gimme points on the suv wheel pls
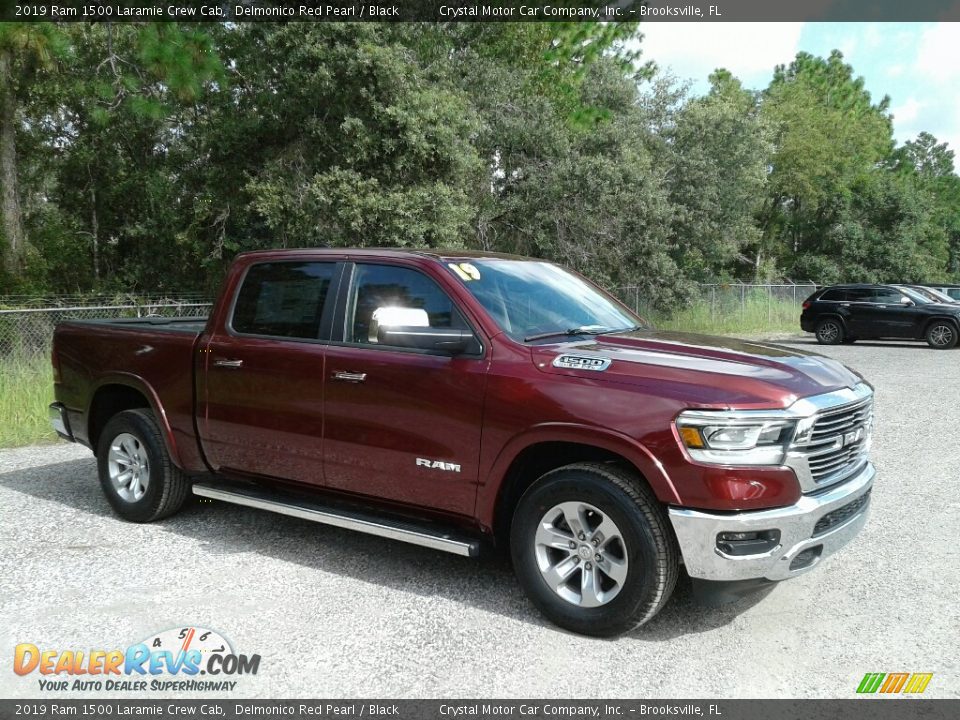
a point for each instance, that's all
(829, 332)
(140, 481)
(942, 335)
(593, 550)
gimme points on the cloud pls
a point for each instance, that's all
(938, 53)
(745, 49)
(908, 112)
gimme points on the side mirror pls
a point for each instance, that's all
(447, 340)
(906, 302)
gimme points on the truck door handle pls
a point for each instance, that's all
(353, 377)
(228, 363)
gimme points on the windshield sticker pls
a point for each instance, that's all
(470, 270)
(581, 362)
(460, 273)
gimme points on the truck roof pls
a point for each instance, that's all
(436, 253)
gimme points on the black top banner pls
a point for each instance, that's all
(477, 10)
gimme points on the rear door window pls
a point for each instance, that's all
(283, 299)
(834, 295)
(860, 295)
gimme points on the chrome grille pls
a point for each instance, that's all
(838, 443)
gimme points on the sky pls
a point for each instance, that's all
(916, 64)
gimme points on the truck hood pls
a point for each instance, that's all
(702, 369)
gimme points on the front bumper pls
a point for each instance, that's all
(697, 532)
(60, 421)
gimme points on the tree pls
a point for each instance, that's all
(25, 49)
(105, 122)
(829, 133)
(718, 150)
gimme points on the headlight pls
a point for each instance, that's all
(726, 438)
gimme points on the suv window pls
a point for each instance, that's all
(398, 296)
(860, 295)
(283, 299)
(887, 296)
(835, 295)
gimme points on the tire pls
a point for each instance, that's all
(941, 335)
(849, 340)
(158, 488)
(639, 549)
(829, 332)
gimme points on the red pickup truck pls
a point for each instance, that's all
(463, 400)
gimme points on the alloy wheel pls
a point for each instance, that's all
(581, 554)
(129, 467)
(829, 332)
(941, 335)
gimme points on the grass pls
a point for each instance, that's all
(756, 315)
(26, 388)
(26, 383)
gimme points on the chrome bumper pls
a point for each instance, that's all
(60, 421)
(697, 532)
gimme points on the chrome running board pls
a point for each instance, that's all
(308, 509)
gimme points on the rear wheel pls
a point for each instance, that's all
(829, 332)
(592, 548)
(140, 481)
(941, 335)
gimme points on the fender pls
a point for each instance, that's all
(834, 316)
(137, 383)
(623, 445)
(952, 319)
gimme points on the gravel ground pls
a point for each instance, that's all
(339, 614)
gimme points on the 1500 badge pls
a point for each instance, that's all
(581, 362)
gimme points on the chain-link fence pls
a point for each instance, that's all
(26, 324)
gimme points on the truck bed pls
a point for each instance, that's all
(152, 356)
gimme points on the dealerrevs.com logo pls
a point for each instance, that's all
(173, 660)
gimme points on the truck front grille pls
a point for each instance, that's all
(839, 516)
(838, 444)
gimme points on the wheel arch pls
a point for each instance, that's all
(831, 315)
(530, 456)
(120, 392)
(937, 318)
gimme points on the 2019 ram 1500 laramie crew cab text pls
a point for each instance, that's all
(456, 400)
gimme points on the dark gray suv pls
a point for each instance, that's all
(847, 313)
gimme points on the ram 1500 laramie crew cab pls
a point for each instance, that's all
(463, 400)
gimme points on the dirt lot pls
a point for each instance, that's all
(334, 613)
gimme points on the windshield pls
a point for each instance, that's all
(915, 295)
(529, 298)
(936, 295)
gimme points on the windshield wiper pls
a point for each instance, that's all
(584, 330)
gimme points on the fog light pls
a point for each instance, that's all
(737, 536)
(738, 544)
(806, 558)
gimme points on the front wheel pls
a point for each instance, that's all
(140, 481)
(593, 550)
(941, 335)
